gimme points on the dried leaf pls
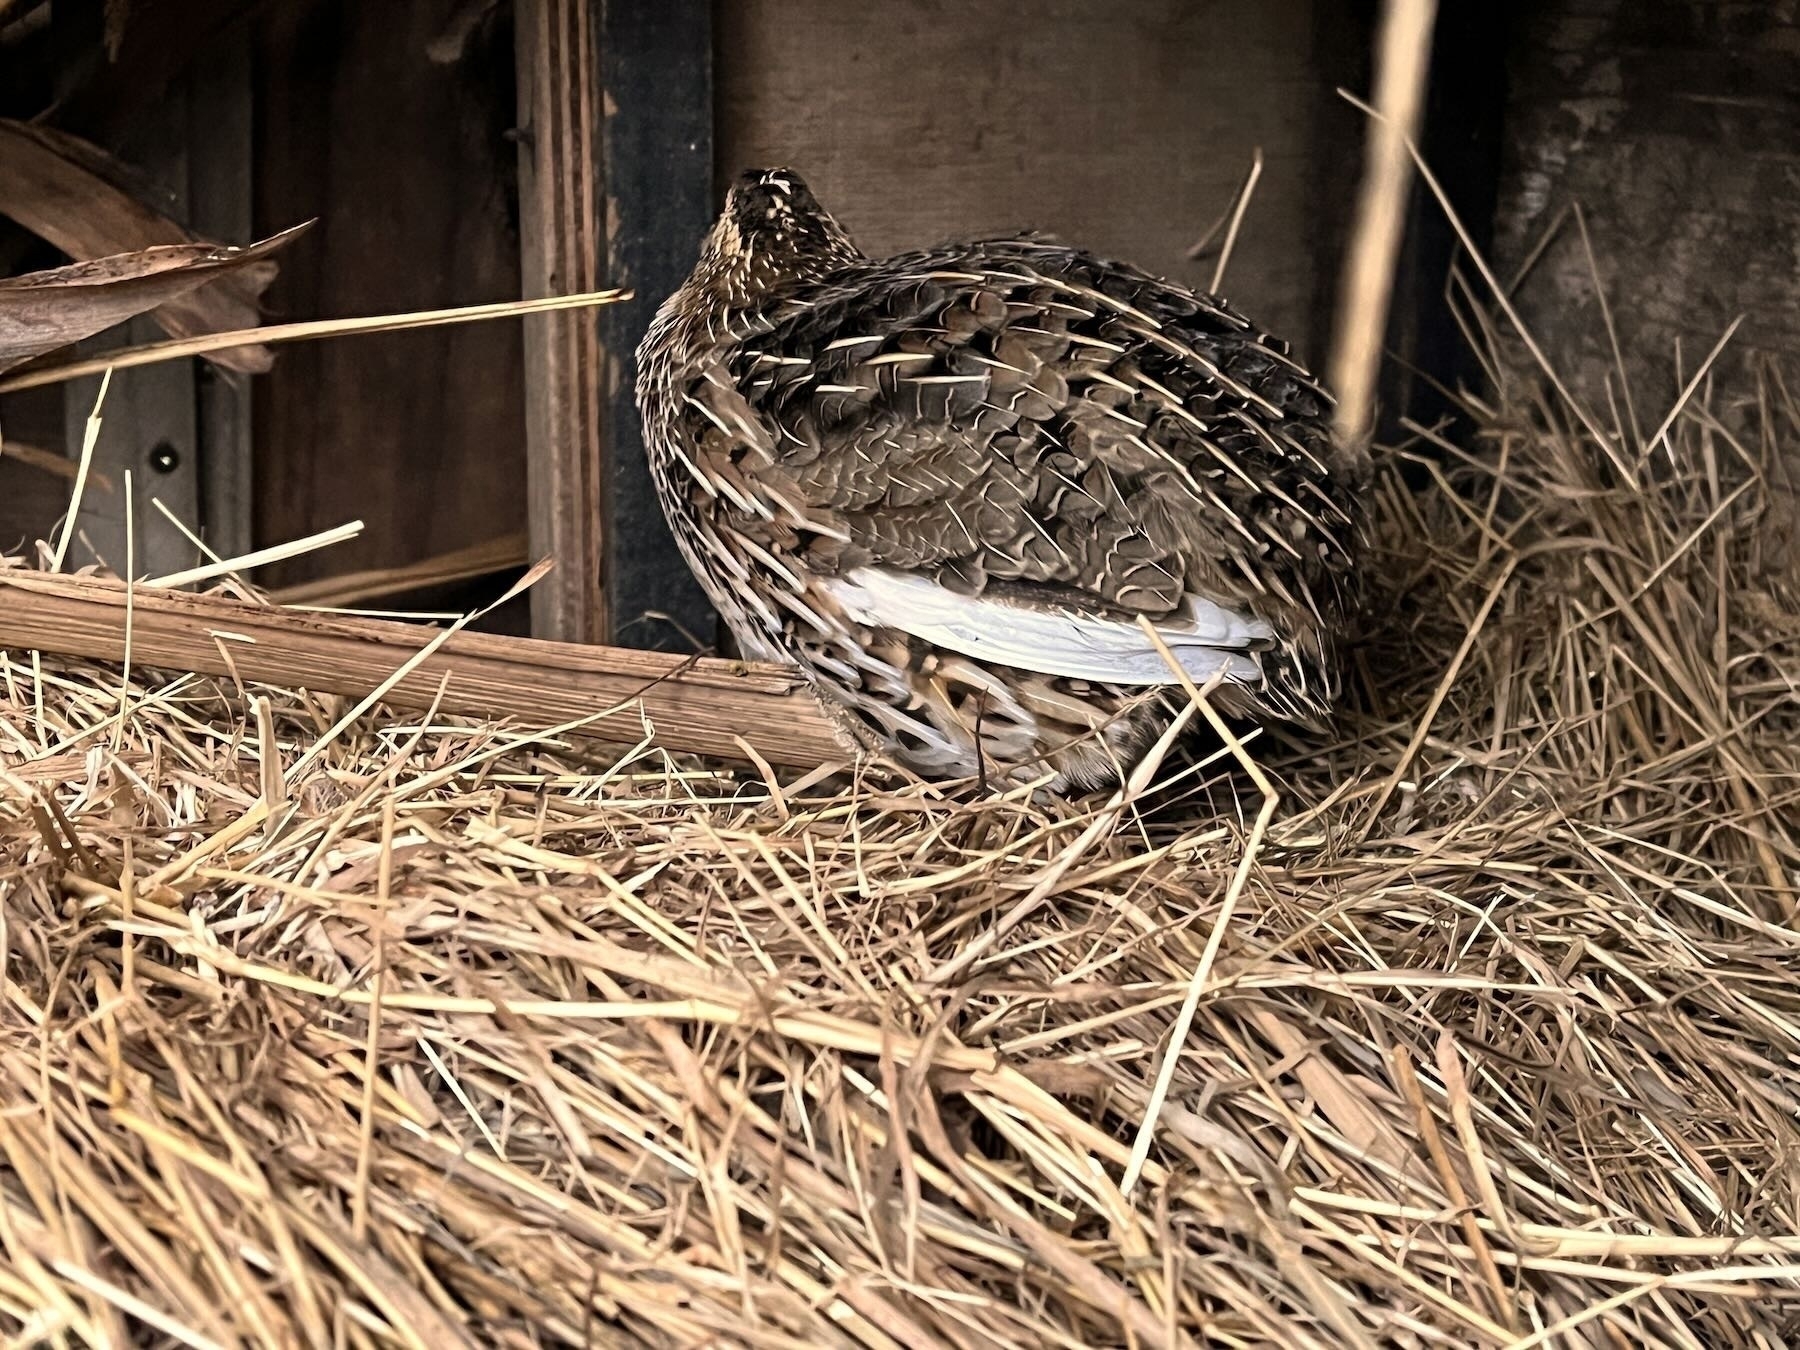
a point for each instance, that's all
(42, 311)
(74, 195)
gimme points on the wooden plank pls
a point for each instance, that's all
(129, 56)
(615, 188)
(562, 250)
(219, 100)
(182, 428)
(656, 71)
(697, 705)
(403, 160)
(149, 424)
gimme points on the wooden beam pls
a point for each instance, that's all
(615, 188)
(699, 706)
(656, 68)
(562, 249)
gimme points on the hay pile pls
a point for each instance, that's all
(463, 1036)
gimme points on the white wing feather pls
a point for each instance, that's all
(1205, 640)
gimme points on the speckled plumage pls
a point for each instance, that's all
(1053, 441)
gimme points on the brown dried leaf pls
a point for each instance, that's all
(42, 311)
(77, 197)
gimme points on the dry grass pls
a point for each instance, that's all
(453, 1034)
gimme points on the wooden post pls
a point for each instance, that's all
(615, 184)
(562, 250)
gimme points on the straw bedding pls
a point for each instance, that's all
(466, 1035)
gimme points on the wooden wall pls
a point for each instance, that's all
(390, 124)
(380, 122)
(1125, 127)
(1676, 124)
